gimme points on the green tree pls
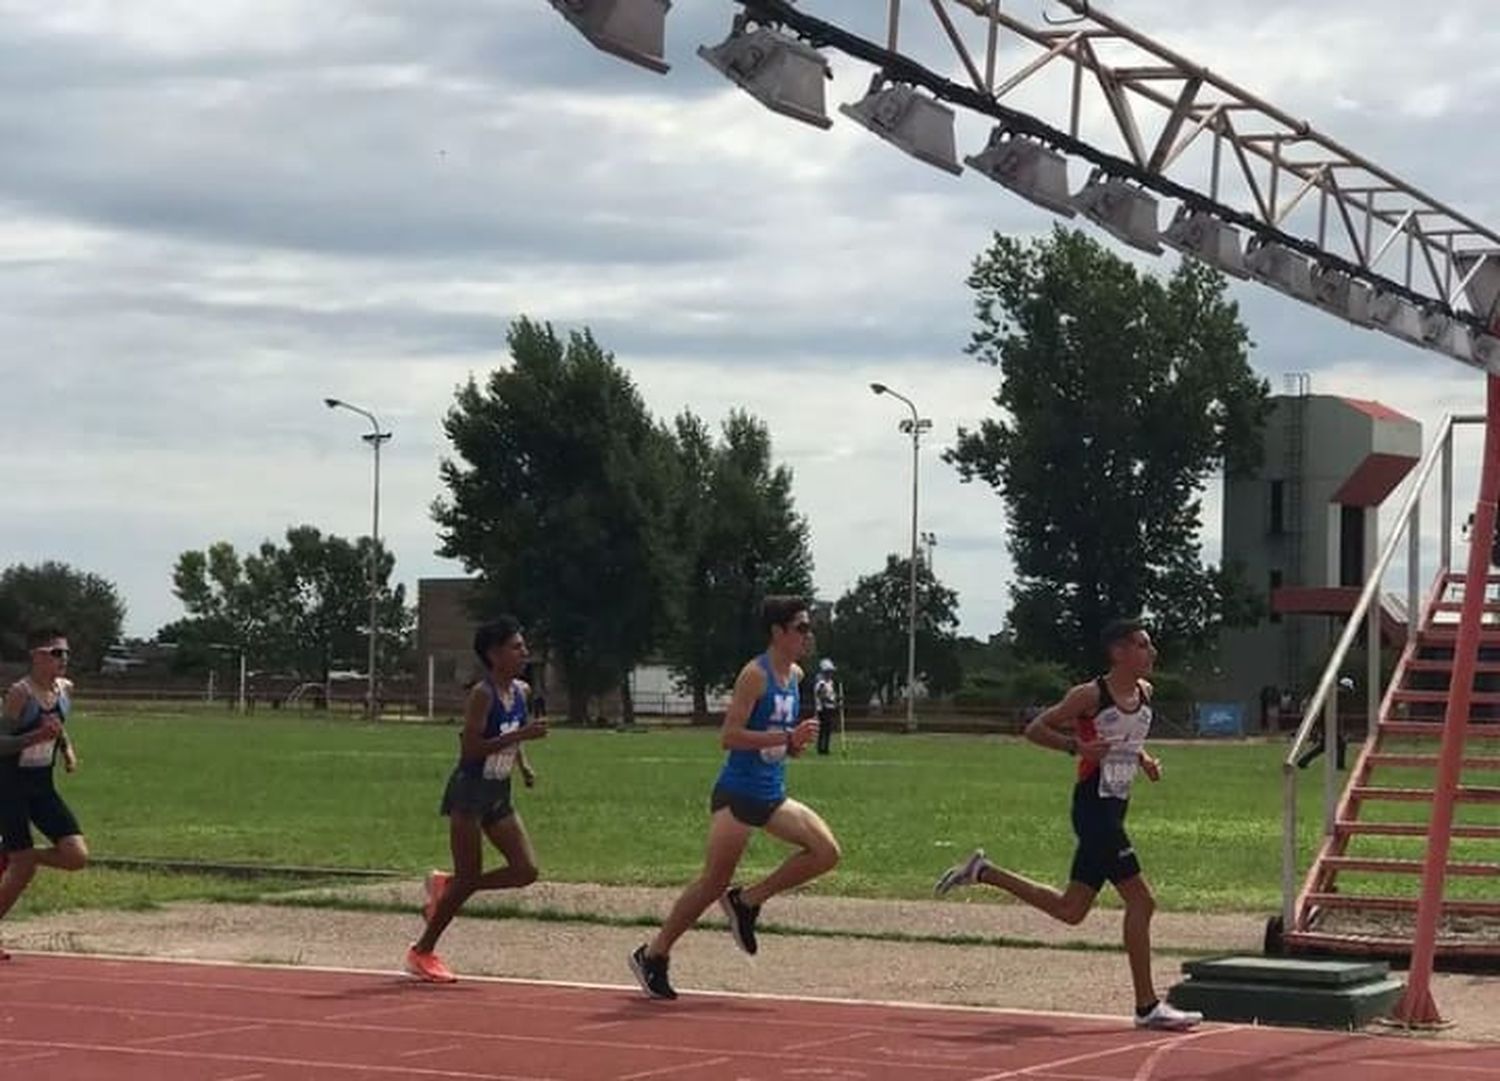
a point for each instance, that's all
(740, 538)
(302, 605)
(1120, 394)
(869, 631)
(560, 497)
(86, 606)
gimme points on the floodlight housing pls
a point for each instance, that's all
(911, 121)
(1344, 296)
(1202, 236)
(1122, 210)
(779, 71)
(1280, 267)
(1035, 172)
(634, 30)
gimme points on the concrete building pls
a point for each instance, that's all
(1304, 528)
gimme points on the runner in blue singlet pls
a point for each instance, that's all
(31, 738)
(762, 728)
(478, 796)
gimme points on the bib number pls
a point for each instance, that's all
(1117, 773)
(497, 766)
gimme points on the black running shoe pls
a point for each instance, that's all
(651, 974)
(741, 918)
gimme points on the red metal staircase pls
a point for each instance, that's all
(1361, 894)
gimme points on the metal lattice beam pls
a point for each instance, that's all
(1164, 122)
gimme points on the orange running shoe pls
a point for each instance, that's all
(436, 886)
(428, 967)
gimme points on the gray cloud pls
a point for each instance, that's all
(209, 221)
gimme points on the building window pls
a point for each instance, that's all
(1278, 508)
(1276, 580)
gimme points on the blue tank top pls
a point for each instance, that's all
(40, 756)
(498, 721)
(762, 774)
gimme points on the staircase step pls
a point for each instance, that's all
(1350, 828)
(1477, 698)
(1489, 668)
(1369, 903)
(1463, 794)
(1431, 761)
(1434, 728)
(1447, 635)
(1383, 945)
(1406, 867)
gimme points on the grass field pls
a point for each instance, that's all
(630, 808)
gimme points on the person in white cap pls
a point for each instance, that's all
(826, 697)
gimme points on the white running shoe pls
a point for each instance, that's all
(1167, 1018)
(961, 874)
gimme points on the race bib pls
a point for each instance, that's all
(1117, 773)
(497, 766)
(1123, 760)
(38, 755)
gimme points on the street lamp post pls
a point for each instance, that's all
(375, 437)
(915, 427)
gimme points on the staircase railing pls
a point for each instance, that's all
(1324, 700)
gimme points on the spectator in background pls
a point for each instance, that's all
(826, 702)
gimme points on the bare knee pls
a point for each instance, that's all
(827, 854)
(526, 874)
(1073, 913)
(1141, 906)
(73, 854)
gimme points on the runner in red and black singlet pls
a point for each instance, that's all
(1105, 723)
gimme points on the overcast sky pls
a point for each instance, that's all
(212, 215)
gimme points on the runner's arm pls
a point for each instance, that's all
(1054, 727)
(734, 736)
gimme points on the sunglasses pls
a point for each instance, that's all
(57, 652)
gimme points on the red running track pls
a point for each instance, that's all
(91, 1019)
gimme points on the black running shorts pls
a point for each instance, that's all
(746, 809)
(29, 800)
(1104, 852)
(485, 798)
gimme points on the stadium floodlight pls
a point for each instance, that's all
(1035, 172)
(1339, 293)
(911, 121)
(1280, 267)
(782, 73)
(1485, 349)
(1122, 210)
(634, 30)
(1396, 316)
(1199, 234)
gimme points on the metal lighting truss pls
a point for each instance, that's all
(1380, 251)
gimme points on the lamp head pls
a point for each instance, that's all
(879, 388)
(332, 403)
